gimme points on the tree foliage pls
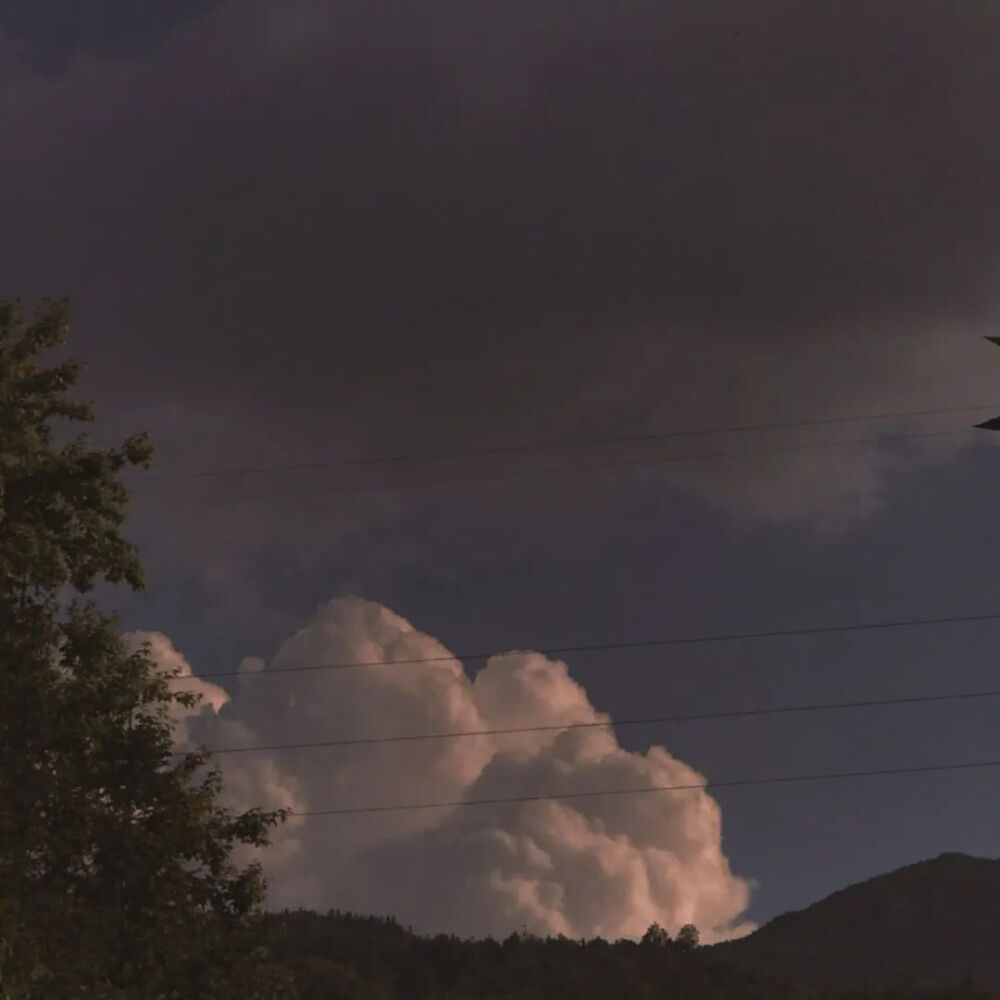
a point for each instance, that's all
(117, 877)
(344, 957)
(688, 937)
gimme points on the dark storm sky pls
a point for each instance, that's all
(303, 232)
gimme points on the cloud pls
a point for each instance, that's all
(605, 866)
(53, 33)
(517, 221)
(264, 784)
(211, 697)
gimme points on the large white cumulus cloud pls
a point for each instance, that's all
(603, 865)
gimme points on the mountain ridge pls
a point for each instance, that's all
(931, 924)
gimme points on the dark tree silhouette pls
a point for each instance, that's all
(116, 878)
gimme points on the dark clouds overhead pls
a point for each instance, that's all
(307, 230)
(380, 181)
(53, 32)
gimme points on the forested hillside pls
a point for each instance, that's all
(934, 923)
(345, 957)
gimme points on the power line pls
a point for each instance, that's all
(555, 469)
(694, 786)
(561, 444)
(695, 640)
(612, 723)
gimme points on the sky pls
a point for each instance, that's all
(301, 236)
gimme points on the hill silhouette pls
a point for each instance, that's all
(338, 956)
(929, 930)
(934, 924)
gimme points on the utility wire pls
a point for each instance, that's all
(553, 469)
(612, 723)
(561, 444)
(694, 786)
(694, 640)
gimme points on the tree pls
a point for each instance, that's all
(688, 938)
(116, 870)
(656, 937)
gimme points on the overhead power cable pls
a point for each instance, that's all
(694, 640)
(741, 713)
(542, 470)
(694, 786)
(556, 445)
